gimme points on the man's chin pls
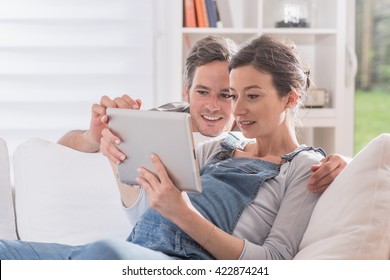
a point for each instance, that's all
(210, 132)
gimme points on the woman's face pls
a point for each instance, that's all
(258, 109)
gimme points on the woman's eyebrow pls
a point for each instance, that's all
(252, 87)
(248, 87)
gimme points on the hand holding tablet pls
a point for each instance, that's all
(167, 134)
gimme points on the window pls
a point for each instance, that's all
(58, 57)
(372, 100)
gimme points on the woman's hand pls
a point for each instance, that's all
(175, 205)
(164, 196)
(109, 146)
(108, 140)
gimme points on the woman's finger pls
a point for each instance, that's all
(108, 146)
(160, 169)
(148, 176)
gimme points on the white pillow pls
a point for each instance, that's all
(7, 217)
(352, 218)
(65, 196)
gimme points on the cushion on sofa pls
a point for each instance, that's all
(7, 217)
(352, 218)
(65, 196)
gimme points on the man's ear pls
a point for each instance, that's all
(186, 93)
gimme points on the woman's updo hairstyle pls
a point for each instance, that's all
(278, 58)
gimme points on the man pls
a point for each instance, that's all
(206, 90)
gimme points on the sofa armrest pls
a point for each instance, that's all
(65, 196)
(352, 218)
(7, 216)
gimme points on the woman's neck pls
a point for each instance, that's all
(272, 147)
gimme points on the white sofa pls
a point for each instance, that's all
(62, 195)
(65, 196)
(7, 217)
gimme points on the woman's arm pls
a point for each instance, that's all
(129, 193)
(293, 209)
(166, 199)
(133, 197)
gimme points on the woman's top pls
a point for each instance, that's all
(273, 224)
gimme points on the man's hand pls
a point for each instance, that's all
(89, 140)
(325, 172)
(99, 118)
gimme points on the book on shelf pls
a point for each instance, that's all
(205, 13)
(211, 13)
(201, 13)
(218, 21)
(224, 12)
(189, 13)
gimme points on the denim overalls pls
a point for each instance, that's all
(229, 185)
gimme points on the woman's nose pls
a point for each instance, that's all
(238, 108)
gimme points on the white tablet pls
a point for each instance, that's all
(167, 134)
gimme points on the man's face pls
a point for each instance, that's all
(209, 99)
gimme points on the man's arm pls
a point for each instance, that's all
(80, 140)
(89, 140)
(326, 171)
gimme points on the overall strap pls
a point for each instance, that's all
(289, 157)
(228, 145)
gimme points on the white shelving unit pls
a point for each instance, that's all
(323, 46)
(58, 57)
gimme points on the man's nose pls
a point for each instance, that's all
(214, 103)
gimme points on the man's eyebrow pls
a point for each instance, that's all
(201, 87)
(208, 88)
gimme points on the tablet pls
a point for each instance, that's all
(167, 134)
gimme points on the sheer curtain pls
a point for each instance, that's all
(58, 57)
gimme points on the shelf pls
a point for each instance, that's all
(318, 117)
(318, 112)
(300, 31)
(186, 30)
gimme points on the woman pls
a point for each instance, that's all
(254, 204)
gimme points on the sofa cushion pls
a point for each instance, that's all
(352, 218)
(7, 217)
(65, 196)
